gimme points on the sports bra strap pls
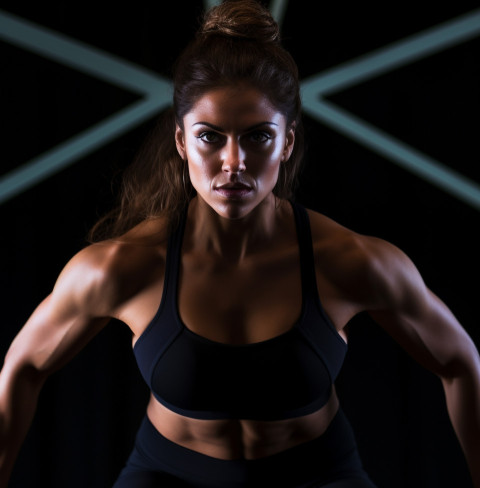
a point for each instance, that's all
(155, 340)
(307, 262)
(174, 255)
(330, 347)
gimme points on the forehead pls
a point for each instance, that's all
(234, 106)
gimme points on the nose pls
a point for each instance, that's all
(233, 158)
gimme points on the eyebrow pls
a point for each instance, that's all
(219, 129)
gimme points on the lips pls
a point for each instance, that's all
(234, 186)
(234, 190)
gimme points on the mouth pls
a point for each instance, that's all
(234, 190)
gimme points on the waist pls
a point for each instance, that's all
(331, 456)
(230, 439)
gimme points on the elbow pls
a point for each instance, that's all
(464, 364)
(20, 386)
(18, 369)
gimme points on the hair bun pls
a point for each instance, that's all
(246, 19)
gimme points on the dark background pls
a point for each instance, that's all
(88, 412)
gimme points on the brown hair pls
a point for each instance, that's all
(238, 41)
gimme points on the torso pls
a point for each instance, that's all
(264, 296)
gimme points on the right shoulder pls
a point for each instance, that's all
(104, 275)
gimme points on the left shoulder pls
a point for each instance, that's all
(372, 275)
(393, 279)
(370, 271)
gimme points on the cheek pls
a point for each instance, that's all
(272, 174)
(269, 166)
(273, 159)
(201, 170)
(197, 159)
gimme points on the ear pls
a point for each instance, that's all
(180, 142)
(289, 143)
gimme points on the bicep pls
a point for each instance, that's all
(63, 323)
(52, 336)
(412, 314)
(429, 332)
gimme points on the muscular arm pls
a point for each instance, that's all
(57, 330)
(423, 325)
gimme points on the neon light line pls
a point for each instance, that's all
(156, 90)
(81, 57)
(395, 55)
(158, 95)
(63, 155)
(208, 4)
(277, 9)
(400, 53)
(408, 158)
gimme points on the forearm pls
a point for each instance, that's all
(18, 399)
(463, 403)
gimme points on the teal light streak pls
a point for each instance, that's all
(395, 55)
(157, 95)
(398, 152)
(379, 62)
(211, 3)
(277, 8)
(66, 153)
(156, 92)
(74, 54)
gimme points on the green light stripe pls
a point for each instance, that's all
(79, 146)
(383, 60)
(157, 90)
(278, 9)
(395, 55)
(211, 3)
(79, 56)
(393, 149)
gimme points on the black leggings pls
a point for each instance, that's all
(330, 461)
(162, 480)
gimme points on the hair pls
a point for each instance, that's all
(238, 42)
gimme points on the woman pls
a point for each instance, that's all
(219, 276)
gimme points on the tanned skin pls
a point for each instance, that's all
(245, 247)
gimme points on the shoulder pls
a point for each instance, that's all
(106, 274)
(366, 269)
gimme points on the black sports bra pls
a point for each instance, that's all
(287, 376)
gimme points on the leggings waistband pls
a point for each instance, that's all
(331, 455)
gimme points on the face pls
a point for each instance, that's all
(234, 140)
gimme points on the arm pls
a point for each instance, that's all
(423, 325)
(57, 330)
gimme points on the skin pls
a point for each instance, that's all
(244, 245)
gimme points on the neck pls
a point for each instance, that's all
(232, 240)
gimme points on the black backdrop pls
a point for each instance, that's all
(88, 412)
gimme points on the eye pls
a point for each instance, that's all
(259, 136)
(210, 137)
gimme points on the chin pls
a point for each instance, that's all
(234, 210)
(233, 213)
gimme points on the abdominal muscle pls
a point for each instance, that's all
(240, 439)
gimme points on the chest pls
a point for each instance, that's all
(235, 305)
(240, 304)
(266, 368)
